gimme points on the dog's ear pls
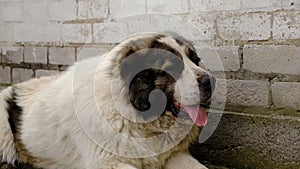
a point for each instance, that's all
(131, 63)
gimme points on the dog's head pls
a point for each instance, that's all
(153, 64)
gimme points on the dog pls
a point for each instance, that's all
(137, 106)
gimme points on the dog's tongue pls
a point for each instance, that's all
(197, 114)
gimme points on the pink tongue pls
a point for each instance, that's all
(197, 114)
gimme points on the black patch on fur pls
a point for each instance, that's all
(193, 56)
(180, 42)
(14, 112)
(158, 45)
(15, 120)
(145, 82)
(146, 70)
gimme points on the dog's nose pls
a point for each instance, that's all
(206, 85)
(208, 82)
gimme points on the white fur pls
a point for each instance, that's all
(68, 119)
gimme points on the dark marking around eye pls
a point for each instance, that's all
(193, 56)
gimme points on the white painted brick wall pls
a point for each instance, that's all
(6, 32)
(121, 8)
(110, 32)
(93, 9)
(258, 5)
(62, 10)
(249, 26)
(286, 25)
(204, 22)
(35, 55)
(11, 11)
(168, 6)
(4, 75)
(21, 75)
(272, 59)
(215, 5)
(286, 94)
(12, 54)
(290, 4)
(77, 33)
(35, 11)
(88, 52)
(50, 32)
(62, 56)
(248, 92)
(41, 73)
(242, 92)
(115, 31)
(225, 58)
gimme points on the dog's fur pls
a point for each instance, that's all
(56, 122)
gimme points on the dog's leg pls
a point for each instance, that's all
(183, 160)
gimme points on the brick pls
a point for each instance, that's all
(77, 33)
(6, 33)
(21, 75)
(163, 23)
(248, 26)
(88, 52)
(11, 11)
(62, 10)
(35, 11)
(61, 56)
(12, 55)
(50, 32)
(168, 6)
(204, 22)
(215, 5)
(219, 94)
(41, 73)
(121, 8)
(286, 25)
(290, 4)
(225, 58)
(272, 59)
(116, 31)
(243, 92)
(112, 32)
(92, 9)
(248, 92)
(286, 94)
(266, 5)
(35, 55)
(5, 75)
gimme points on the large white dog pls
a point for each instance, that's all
(137, 106)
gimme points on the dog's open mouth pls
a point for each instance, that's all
(196, 113)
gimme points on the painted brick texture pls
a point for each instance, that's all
(286, 94)
(272, 59)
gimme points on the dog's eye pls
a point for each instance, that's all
(193, 56)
